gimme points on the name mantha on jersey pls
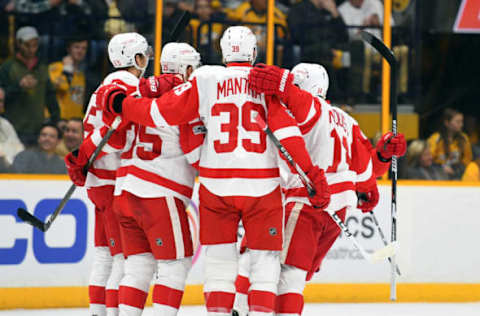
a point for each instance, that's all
(236, 159)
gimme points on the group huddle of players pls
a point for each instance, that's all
(202, 120)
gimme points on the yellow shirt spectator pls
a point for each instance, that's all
(458, 153)
(472, 173)
(70, 95)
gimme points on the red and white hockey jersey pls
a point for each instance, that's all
(103, 171)
(236, 158)
(333, 141)
(156, 165)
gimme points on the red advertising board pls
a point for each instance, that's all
(468, 17)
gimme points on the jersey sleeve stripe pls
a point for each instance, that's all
(103, 174)
(287, 132)
(157, 117)
(226, 173)
(364, 176)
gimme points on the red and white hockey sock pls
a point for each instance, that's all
(134, 286)
(264, 276)
(221, 269)
(111, 302)
(169, 285)
(113, 282)
(131, 301)
(97, 300)
(289, 304)
(261, 302)
(242, 284)
(219, 303)
(290, 291)
(166, 300)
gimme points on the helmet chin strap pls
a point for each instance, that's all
(142, 70)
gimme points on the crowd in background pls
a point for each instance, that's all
(53, 55)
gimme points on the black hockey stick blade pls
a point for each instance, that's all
(180, 26)
(30, 219)
(379, 46)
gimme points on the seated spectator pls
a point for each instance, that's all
(69, 80)
(317, 27)
(10, 145)
(255, 11)
(28, 88)
(72, 137)
(420, 163)
(42, 159)
(365, 13)
(472, 172)
(208, 48)
(450, 146)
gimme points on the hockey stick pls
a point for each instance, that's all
(392, 61)
(380, 254)
(44, 226)
(380, 231)
(180, 26)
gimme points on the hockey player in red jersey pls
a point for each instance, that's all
(129, 54)
(153, 187)
(334, 143)
(238, 171)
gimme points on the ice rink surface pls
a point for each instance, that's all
(381, 309)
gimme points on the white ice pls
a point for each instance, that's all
(381, 309)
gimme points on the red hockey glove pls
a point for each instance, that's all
(154, 87)
(270, 80)
(368, 196)
(390, 145)
(76, 162)
(322, 198)
(109, 97)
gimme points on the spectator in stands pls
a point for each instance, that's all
(365, 13)
(207, 47)
(10, 145)
(450, 146)
(42, 159)
(72, 137)
(28, 88)
(255, 11)
(420, 163)
(69, 80)
(317, 27)
(472, 172)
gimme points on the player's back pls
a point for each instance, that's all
(104, 168)
(236, 157)
(155, 165)
(331, 144)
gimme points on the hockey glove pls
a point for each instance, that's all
(390, 145)
(155, 86)
(368, 195)
(76, 162)
(109, 97)
(270, 80)
(322, 197)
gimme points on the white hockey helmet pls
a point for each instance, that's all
(312, 78)
(238, 43)
(176, 57)
(123, 48)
